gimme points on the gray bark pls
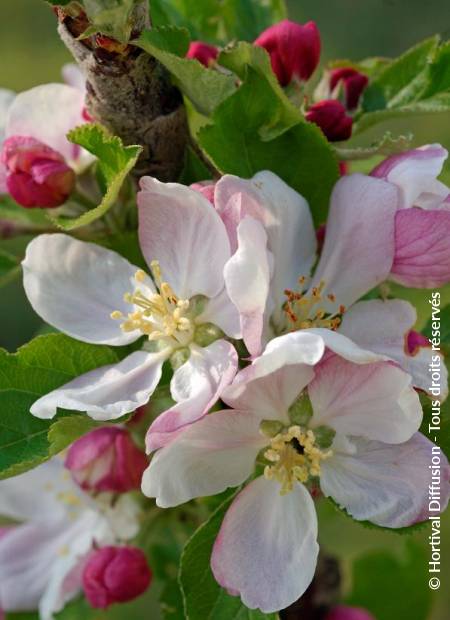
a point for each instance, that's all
(131, 94)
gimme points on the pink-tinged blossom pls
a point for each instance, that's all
(106, 459)
(343, 612)
(353, 82)
(184, 311)
(346, 419)
(332, 118)
(115, 575)
(36, 175)
(42, 559)
(203, 52)
(422, 225)
(354, 259)
(294, 49)
(386, 327)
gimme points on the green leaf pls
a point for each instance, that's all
(115, 161)
(236, 143)
(204, 599)
(9, 267)
(219, 22)
(206, 88)
(388, 145)
(112, 17)
(243, 55)
(378, 578)
(418, 82)
(39, 367)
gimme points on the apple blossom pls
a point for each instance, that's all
(106, 459)
(115, 575)
(38, 163)
(346, 420)
(203, 52)
(41, 560)
(294, 49)
(422, 224)
(331, 116)
(97, 296)
(275, 244)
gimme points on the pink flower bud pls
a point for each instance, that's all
(332, 119)
(203, 52)
(106, 459)
(115, 575)
(36, 175)
(342, 612)
(415, 341)
(294, 49)
(353, 83)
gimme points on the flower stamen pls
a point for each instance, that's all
(295, 456)
(159, 316)
(303, 309)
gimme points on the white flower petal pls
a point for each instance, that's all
(382, 327)
(385, 484)
(75, 286)
(208, 457)
(108, 392)
(375, 401)
(266, 549)
(181, 229)
(344, 347)
(247, 279)
(42, 486)
(195, 387)
(415, 173)
(359, 242)
(274, 380)
(47, 113)
(286, 217)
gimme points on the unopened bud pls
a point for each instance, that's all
(203, 52)
(342, 612)
(115, 575)
(294, 49)
(353, 83)
(330, 115)
(415, 341)
(36, 175)
(106, 459)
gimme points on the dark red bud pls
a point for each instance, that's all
(342, 612)
(353, 83)
(294, 49)
(203, 52)
(415, 341)
(330, 115)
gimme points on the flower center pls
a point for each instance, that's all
(294, 456)
(303, 309)
(159, 316)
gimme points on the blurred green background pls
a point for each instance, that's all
(31, 53)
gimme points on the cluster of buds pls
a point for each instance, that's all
(294, 51)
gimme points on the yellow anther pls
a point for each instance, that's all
(140, 275)
(303, 309)
(294, 456)
(160, 315)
